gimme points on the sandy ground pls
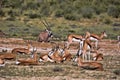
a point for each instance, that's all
(44, 71)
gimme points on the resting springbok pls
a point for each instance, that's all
(97, 56)
(29, 61)
(95, 37)
(2, 62)
(89, 65)
(8, 56)
(22, 50)
(74, 38)
(52, 56)
(45, 58)
(66, 53)
(55, 55)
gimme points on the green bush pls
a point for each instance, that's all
(59, 13)
(107, 21)
(34, 15)
(113, 11)
(2, 13)
(11, 18)
(71, 17)
(32, 5)
(87, 12)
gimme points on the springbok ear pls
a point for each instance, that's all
(104, 31)
(57, 46)
(65, 45)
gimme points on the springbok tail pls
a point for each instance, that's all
(2, 65)
(17, 62)
(40, 60)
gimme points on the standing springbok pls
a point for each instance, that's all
(86, 48)
(45, 35)
(89, 65)
(118, 38)
(96, 38)
(74, 38)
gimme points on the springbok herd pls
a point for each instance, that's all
(87, 56)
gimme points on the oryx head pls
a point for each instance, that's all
(49, 32)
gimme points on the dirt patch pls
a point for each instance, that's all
(62, 71)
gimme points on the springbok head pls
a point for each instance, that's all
(104, 34)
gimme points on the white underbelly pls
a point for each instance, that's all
(93, 39)
(76, 40)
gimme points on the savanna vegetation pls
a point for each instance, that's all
(22, 18)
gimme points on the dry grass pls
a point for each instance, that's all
(68, 69)
(65, 71)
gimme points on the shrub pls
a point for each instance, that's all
(2, 13)
(87, 12)
(71, 16)
(107, 21)
(14, 34)
(10, 18)
(59, 13)
(33, 15)
(34, 34)
(45, 10)
(113, 11)
(32, 5)
(13, 12)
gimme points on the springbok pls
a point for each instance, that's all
(74, 38)
(95, 37)
(85, 49)
(45, 58)
(8, 56)
(97, 56)
(29, 61)
(52, 56)
(45, 35)
(118, 38)
(55, 55)
(66, 54)
(22, 50)
(89, 65)
(2, 62)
